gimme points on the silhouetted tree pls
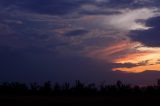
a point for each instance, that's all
(79, 89)
(46, 89)
(34, 88)
(158, 82)
(57, 89)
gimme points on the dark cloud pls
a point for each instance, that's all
(54, 7)
(125, 65)
(29, 41)
(63, 7)
(151, 36)
(129, 3)
(37, 64)
(78, 32)
(99, 12)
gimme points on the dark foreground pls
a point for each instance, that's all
(78, 95)
(79, 101)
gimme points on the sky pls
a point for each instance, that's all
(88, 40)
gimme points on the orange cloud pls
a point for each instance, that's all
(110, 51)
(133, 57)
(143, 54)
(139, 69)
(143, 58)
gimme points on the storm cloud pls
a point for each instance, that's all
(151, 36)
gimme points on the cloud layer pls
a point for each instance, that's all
(39, 37)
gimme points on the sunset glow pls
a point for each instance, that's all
(139, 69)
(145, 58)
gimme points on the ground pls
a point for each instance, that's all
(78, 101)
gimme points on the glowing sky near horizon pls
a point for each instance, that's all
(126, 51)
(145, 58)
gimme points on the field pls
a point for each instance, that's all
(78, 101)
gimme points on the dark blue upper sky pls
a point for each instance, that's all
(66, 40)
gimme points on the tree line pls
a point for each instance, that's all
(78, 89)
